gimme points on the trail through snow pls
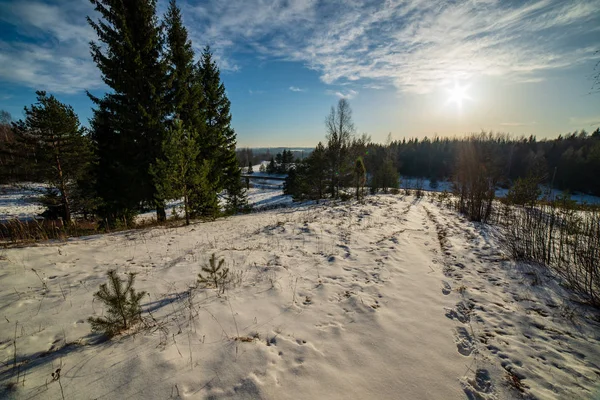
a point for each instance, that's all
(348, 301)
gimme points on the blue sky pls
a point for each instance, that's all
(409, 68)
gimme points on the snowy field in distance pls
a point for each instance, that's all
(19, 202)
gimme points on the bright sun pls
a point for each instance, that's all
(458, 94)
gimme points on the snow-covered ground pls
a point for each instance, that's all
(261, 197)
(425, 184)
(256, 171)
(391, 299)
(19, 202)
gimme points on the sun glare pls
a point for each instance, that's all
(458, 94)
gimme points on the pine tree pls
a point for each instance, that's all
(52, 144)
(123, 305)
(237, 199)
(308, 178)
(203, 196)
(9, 170)
(216, 275)
(271, 168)
(178, 173)
(250, 170)
(129, 121)
(318, 173)
(185, 94)
(219, 140)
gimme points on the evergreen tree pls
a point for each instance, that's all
(53, 145)
(216, 275)
(237, 199)
(287, 160)
(385, 177)
(186, 97)
(308, 178)
(296, 183)
(271, 168)
(219, 140)
(9, 170)
(203, 196)
(525, 191)
(129, 121)
(250, 170)
(178, 173)
(185, 94)
(123, 307)
(318, 173)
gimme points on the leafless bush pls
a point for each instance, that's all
(476, 177)
(565, 239)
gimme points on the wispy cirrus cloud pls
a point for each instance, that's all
(52, 49)
(343, 94)
(414, 46)
(297, 89)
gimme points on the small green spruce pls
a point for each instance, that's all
(216, 275)
(123, 305)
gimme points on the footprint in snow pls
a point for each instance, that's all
(460, 313)
(447, 289)
(464, 341)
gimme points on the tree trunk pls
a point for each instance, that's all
(161, 214)
(63, 192)
(186, 208)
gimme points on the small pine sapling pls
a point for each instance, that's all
(216, 275)
(123, 305)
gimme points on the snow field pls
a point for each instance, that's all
(393, 298)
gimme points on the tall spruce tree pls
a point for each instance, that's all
(219, 140)
(186, 97)
(185, 94)
(129, 122)
(52, 145)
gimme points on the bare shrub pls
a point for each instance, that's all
(563, 238)
(476, 177)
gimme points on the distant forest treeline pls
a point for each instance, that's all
(255, 156)
(570, 162)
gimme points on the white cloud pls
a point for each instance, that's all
(55, 56)
(297, 89)
(414, 46)
(345, 94)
